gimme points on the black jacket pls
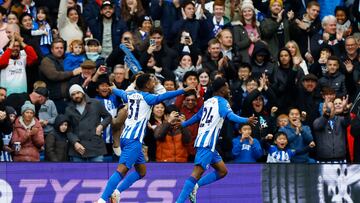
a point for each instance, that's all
(165, 58)
(330, 143)
(336, 81)
(267, 66)
(83, 127)
(303, 37)
(284, 86)
(56, 147)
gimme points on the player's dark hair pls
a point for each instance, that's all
(217, 84)
(142, 80)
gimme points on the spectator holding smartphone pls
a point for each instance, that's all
(117, 55)
(171, 139)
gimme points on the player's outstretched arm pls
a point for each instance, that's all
(195, 118)
(120, 93)
(155, 99)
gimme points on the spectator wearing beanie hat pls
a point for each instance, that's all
(275, 29)
(141, 35)
(27, 131)
(249, 23)
(86, 143)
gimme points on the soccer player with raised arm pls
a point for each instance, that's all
(140, 103)
(211, 117)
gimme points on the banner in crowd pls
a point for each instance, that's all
(79, 182)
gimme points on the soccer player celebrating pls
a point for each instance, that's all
(140, 103)
(211, 117)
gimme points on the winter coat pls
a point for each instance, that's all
(317, 43)
(330, 142)
(170, 144)
(298, 141)
(83, 127)
(56, 147)
(31, 140)
(308, 102)
(303, 37)
(267, 67)
(284, 86)
(53, 74)
(167, 13)
(165, 58)
(190, 25)
(242, 40)
(269, 28)
(336, 82)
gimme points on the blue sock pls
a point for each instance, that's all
(187, 189)
(209, 178)
(111, 185)
(128, 181)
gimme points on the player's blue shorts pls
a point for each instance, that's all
(204, 157)
(131, 153)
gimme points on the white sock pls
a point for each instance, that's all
(101, 201)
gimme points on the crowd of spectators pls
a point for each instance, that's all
(294, 64)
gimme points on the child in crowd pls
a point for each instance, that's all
(56, 145)
(279, 153)
(282, 120)
(328, 94)
(93, 51)
(47, 112)
(75, 57)
(12, 18)
(42, 27)
(319, 67)
(245, 147)
(170, 85)
(238, 88)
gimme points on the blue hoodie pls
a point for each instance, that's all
(298, 142)
(243, 152)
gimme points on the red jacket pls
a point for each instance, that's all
(31, 141)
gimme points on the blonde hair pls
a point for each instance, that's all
(298, 53)
(38, 84)
(76, 42)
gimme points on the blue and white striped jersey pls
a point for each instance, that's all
(139, 110)
(211, 117)
(279, 155)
